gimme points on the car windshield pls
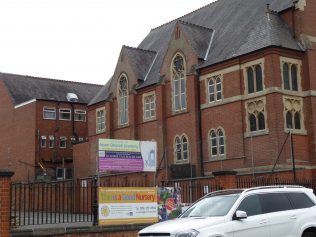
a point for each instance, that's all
(211, 206)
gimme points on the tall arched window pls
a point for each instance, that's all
(290, 76)
(255, 78)
(256, 115)
(293, 113)
(123, 100)
(215, 88)
(286, 76)
(181, 148)
(179, 83)
(217, 143)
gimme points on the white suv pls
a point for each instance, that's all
(274, 211)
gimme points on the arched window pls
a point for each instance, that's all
(123, 100)
(251, 84)
(293, 113)
(256, 115)
(179, 83)
(290, 76)
(294, 77)
(255, 78)
(215, 88)
(259, 78)
(261, 121)
(217, 143)
(286, 76)
(181, 148)
(253, 122)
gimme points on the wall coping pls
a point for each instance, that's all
(76, 230)
(6, 173)
(224, 172)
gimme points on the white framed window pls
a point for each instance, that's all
(72, 139)
(293, 114)
(256, 115)
(181, 149)
(49, 113)
(64, 114)
(123, 100)
(215, 89)
(149, 101)
(178, 73)
(217, 143)
(63, 142)
(100, 120)
(80, 115)
(43, 141)
(60, 173)
(51, 142)
(80, 139)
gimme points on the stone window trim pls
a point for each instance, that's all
(218, 143)
(183, 137)
(217, 93)
(51, 141)
(65, 112)
(80, 115)
(151, 110)
(122, 100)
(256, 107)
(294, 105)
(47, 111)
(179, 98)
(100, 120)
(43, 141)
(253, 64)
(63, 142)
(290, 62)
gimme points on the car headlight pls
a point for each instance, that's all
(187, 233)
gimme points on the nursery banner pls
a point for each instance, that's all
(127, 155)
(119, 206)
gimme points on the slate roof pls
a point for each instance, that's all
(103, 94)
(25, 88)
(230, 27)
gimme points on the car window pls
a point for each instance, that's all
(300, 200)
(211, 206)
(274, 202)
(251, 205)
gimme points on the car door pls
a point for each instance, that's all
(279, 210)
(256, 222)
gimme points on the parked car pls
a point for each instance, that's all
(273, 211)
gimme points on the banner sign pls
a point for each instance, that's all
(119, 206)
(127, 155)
(169, 203)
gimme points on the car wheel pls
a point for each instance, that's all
(309, 234)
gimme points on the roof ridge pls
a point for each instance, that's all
(185, 15)
(195, 25)
(51, 79)
(134, 48)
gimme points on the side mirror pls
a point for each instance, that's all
(240, 215)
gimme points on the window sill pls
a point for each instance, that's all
(256, 133)
(49, 118)
(179, 162)
(149, 120)
(223, 158)
(296, 131)
(175, 113)
(101, 131)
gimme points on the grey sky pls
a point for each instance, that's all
(78, 40)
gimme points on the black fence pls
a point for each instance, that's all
(39, 203)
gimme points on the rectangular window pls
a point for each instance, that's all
(43, 141)
(63, 142)
(59, 173)
(80, 139)
(49, 113)
(100, 120)
(150, 107)
(64, 114)
(51, 141)
(80, 115)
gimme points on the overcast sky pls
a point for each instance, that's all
(78, 40)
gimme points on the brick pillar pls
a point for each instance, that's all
(226, 179)
(5, 187)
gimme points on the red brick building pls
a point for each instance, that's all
(220, 88)
(41, 120)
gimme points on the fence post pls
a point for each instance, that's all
(95, 201)
(226, 179)
(5, 192)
